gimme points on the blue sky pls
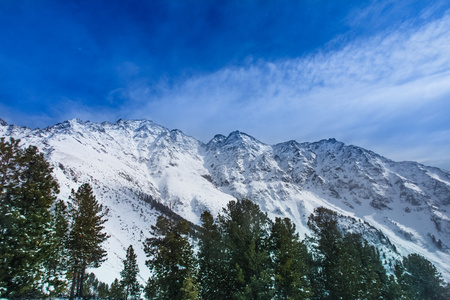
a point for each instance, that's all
(370, 73)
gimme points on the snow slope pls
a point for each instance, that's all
(402, 207)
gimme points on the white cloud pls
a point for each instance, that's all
(358, 93)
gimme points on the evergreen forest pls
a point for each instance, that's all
(48, 247)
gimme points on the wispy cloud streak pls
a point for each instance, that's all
(389, 89)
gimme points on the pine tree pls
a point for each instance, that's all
(446, 291)
(291, 262)
(213, 268)
(323, 223)
(116, 291)
(129, 275)
(171, 259)
(246, 230)
(394, 290)
(56, 262)
(103, 290)
(190, 289)
(90, 286)
(362, 274)
(419, 278)
(346, 267)
(375, 281)
(86, 236)
(150, 289)
(348, 276)
(27, 193)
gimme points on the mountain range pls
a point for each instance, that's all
(137, 167)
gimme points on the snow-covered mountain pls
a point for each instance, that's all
(401, 207)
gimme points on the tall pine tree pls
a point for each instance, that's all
(291, 262)
(213, 269)
(323, 222)
(86, 236)
(116, 291)
(171, 260)
(27, 193)
(56, 262)
(346, 267)
(419, 278)
(246, 231)
(129, 275)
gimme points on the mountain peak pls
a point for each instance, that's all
(138, 123)
(241, 137)
(236, 138)
(330, 141)
(219, 137)
(289, 144)
(236, 132)
(77, 121)
(215, 141)
(136, 127)
(3, 122)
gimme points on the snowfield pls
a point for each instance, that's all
(401, 207)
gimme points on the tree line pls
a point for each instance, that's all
(47, 248)
(242, 254)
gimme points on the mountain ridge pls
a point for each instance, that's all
(408, 202)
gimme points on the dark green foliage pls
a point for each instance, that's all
(116, 291)
(419, 278)
(90, 287)
(93, 288)
(165, 210)
(213, 270)
(190, 289)
(446, 291)
(86, 235)
(393, 290)
(362, 273)
(323, 223)
(245, 230)
(56, 262)
(27, 193)
(291, 262)
(250, 258)
(171, 259)
(129, 275)
(150, 289)
(103, 290)
(346, 267)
